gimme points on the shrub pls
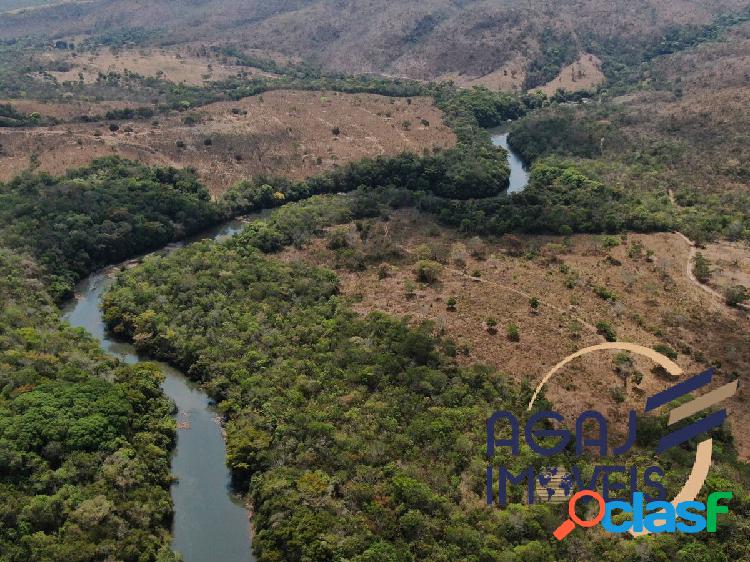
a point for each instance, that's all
(701, 268)
(423, 252)
(534, 303)
(427, 271)
(477, 248)
(410, 290)
(736, 295)
(458, 255)
(623, 358)
(337, 240)
(514, 334)
(605, 329)
(451, 304)
(605, 293)
(635, 251)
(666, 350)
(611, 260)
(491, 324)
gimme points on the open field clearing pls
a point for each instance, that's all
(731, 264)
(509, 77)
(638, 287)
(583, 74)
(189, 66)
(289, 133)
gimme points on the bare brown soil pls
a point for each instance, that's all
(288, 133)
(655, 303)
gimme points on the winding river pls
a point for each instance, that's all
(210, 524)
(519, 175)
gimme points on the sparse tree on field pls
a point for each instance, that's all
(427, 271)
(701, 268)
(624, 367)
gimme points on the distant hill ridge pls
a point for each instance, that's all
(423, 39)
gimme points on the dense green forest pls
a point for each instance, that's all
(84, 440)
(646, 167)
(357, 438)
(560, 198)
(318, 409)
(100, 214)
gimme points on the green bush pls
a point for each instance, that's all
(605, 293)
(513, 333)
(605, 329)
(666, 351)
(427, 271)
(701, 268)
(736, 295)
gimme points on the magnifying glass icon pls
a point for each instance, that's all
(569, 524)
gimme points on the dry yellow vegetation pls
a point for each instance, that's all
(583, 74)
(293, 134)
(654, 303)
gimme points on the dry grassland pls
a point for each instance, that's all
(286, 133)
(654, 304)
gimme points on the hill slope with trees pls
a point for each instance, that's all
(413, 38)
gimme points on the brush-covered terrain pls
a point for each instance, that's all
(413, 38)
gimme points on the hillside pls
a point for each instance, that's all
(417, 39)
(681, 134)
